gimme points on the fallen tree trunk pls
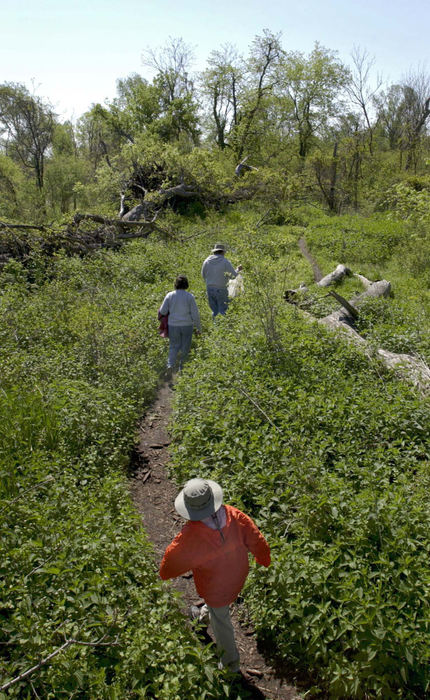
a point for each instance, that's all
(407, 367)
(35, 227)
(349, 313)
(17, 241)
(339, 273)
(143, 226)
(183, 191)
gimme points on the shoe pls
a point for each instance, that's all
(194, 612)
(200, 615)
(168, 374)
(204, 615)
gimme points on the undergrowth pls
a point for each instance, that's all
(326, 449)
(80, 360)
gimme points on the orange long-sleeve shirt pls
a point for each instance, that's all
(219, 563)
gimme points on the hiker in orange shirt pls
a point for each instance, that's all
(214, 545)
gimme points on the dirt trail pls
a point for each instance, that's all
(153, 494)
(318, 275)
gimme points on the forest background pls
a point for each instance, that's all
(330, 455)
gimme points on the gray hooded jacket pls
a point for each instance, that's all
(217, 270)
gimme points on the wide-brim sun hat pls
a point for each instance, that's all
(218, 247)
(199, 499)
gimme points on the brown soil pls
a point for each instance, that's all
(153, 494)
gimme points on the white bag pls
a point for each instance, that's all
(235, 286)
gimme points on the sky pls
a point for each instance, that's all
(71, 53)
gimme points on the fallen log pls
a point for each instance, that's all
(406, 366)
(21, 226)
(116, 223)
(339, 273)
(183, 191)
(349, 313)
(18, 240)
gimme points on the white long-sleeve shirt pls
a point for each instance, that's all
(217, 270)
(182, 309)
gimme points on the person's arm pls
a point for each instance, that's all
(195, 314)
(177, 559)
(204, 270)
(230, 271)
(255, 541)
(164, 308)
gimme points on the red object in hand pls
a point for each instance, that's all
(163, 328)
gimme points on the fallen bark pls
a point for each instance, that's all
(352, 311)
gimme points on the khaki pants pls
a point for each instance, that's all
(224, 635)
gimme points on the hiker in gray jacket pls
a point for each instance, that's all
(183, 317)
(216, 272)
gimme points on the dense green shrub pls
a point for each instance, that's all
(80, 360)
(330, 455)
(327, 450)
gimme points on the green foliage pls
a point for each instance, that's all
(410, 200)
(320, 444)
(308, 90)
(80, 360)
(329, 453)
(10, 182)
(329, 481)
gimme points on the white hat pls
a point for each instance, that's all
(218, 247)
(198, 499)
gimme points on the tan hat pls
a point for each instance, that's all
(198, 499)
(218, 247)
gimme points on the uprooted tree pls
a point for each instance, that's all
(85, 233)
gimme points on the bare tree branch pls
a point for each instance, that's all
(53, 654)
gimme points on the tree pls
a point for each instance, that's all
(66, 170)
(390, 116)
(261, 78)
(309, 88)
(338, 162)
(10, 186)
(221, 84)
(404, 113)
(138, 102)
(172, 64)
(416, 110)
(27, 124)
(175, 85)
(359, 90)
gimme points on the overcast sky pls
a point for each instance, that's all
(74, 51)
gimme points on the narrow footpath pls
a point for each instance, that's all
(153, 494)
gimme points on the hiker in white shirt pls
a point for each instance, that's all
(183, 317)
(216, 272)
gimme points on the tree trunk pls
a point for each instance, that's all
(339, 273)
(333, 180)
(406, 366)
